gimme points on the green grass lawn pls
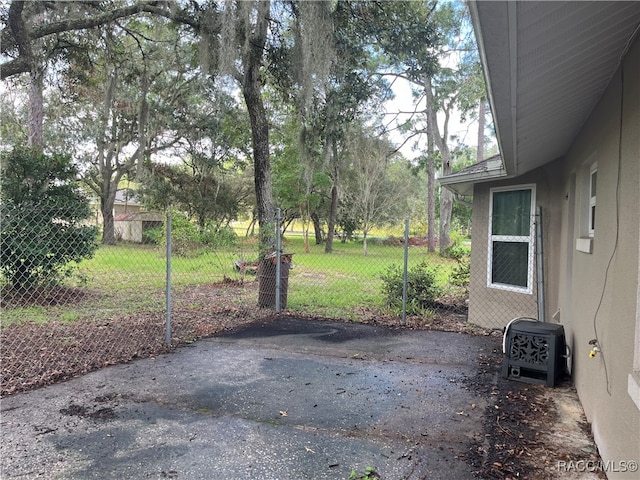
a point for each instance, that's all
(130, 278)
(339, 283)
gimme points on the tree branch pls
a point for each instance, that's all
(19, 37)
(14, 67)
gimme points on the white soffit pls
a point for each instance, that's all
(547, 64)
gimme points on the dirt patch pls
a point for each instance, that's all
(529, 429)
(35, 355)
(44, 296)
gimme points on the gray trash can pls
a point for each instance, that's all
(267, 280)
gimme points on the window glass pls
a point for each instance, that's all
(510, 264)
(511, 213)
(510, 259)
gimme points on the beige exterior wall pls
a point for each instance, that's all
(131, 229)
(492, 307)
(598, 291)
(128, 231)
(591, 284)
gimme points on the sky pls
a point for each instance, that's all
(403, 102)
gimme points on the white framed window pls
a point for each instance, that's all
(593, 177)
(511, 238)
(588, 181)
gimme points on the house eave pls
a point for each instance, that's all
(546, 66)
(463, 184)
(503, 117)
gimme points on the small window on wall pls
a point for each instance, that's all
(593, 177)
(587, 177)
(511, 239)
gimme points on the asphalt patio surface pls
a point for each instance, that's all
(284, 399)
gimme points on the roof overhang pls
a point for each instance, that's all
(546, 66)
(461, 182)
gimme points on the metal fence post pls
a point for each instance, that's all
(278, 262)
(404, 272)
(540, 265)
(168, 292)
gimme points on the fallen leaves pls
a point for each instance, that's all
(35, 355)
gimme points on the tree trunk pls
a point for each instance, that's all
(252, 224)
(446, 208)
(36, 109)
(364, 242)
(440, 139)
(317, 228)
(102, 182)
(333, 213)
(431, 192)
(252, 93)
(333, 209)
(108, 190)
(20, 30)
(305, 229)
(261, 163)
(108, 221)
(481, 122)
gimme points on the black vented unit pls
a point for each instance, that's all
(535, 352)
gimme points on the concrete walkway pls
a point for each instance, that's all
(289, 399)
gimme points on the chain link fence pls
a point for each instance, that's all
(70, 306)
(508, 270)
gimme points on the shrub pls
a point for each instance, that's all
(461, 273)
(374, 240)
(155, 235)
(422, 288)
(223, 237)
(188, 240)
(457, 249)
(392, 241)
(42, 219)
(185, 239)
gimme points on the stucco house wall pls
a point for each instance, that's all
(130, 220)
(124, 203)
(598, 291)
(591, 283)
(494, 308)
